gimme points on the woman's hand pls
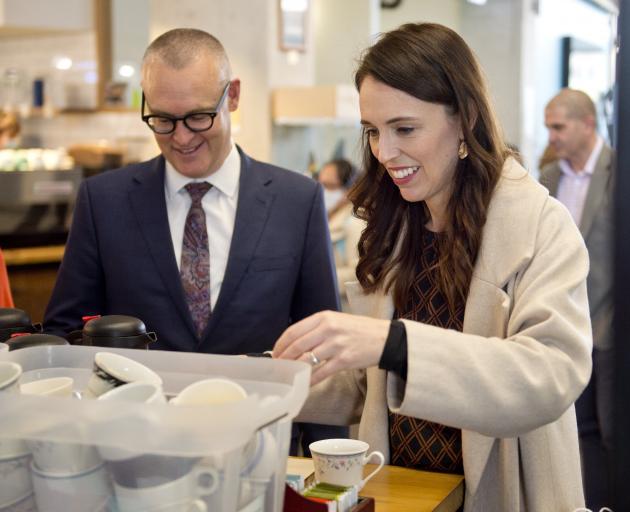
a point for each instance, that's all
(333, 342)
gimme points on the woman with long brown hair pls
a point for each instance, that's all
(474, 339)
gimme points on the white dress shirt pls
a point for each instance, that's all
(219, 205)
(573, 184)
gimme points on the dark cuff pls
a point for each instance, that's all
(394, 357)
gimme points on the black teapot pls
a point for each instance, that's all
(13, 320)
(117, 331)
(33, 340)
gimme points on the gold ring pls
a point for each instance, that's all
(314, 359)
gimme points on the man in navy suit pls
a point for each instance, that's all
(266, 260)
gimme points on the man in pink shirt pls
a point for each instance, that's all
(581, 178)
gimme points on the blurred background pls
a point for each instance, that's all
(69, 81)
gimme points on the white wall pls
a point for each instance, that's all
(493, 31)
(446, 12)
(57, 14)
(130, 37)
(293, 68)
(342, 30)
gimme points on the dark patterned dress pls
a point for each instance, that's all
(416, 443)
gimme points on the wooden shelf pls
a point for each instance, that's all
(33, 255)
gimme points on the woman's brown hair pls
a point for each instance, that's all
(434, 64)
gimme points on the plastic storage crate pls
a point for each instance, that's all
(229, 438)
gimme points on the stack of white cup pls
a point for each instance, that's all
(67, 477)
(16, 489)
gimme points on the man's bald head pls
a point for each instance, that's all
(181, 47)
(571, 119)
(577, 104)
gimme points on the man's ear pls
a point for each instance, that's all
(234, 94)
(589, 120)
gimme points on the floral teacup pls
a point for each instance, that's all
(341, 461)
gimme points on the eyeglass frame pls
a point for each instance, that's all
(212, 113)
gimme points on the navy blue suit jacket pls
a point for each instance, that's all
(119, 259)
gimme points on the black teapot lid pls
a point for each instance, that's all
(114, 326)
(13, 317)
(33, 340)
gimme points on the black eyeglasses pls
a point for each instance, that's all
(195, 121)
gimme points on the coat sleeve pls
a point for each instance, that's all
(316, 288)
(79, 289)
(507, 385)
(337, 400)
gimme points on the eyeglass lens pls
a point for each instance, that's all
(196, 121)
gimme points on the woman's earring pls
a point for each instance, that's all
(462, 152)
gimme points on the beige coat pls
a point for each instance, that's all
(345, 231)
(510, 378)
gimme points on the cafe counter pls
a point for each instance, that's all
(396, 489)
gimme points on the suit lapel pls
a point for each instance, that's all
(149, 205)
(252, 211)
(551, 179)
(597, 191)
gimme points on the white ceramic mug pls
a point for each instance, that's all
(55, 386)
(186, 490)
(210, 392)
(74, 493)
(55, 458)
(252, 489)
(24, 504)
(136, 392)
(180, 506)
(15, 480)
(4, 347)
(260, 456)
(113, 370)
(63, 459)
(10, 374)
(12, 448)
(341, 461)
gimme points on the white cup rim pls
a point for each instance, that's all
(54, 384)
(125, 369)
(59, 476)
(354, 447)
(13, 456)
(194, 473)
(17, 369)
(29, 494)
(182, 398)
(152, 390)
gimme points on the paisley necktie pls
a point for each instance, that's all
(195, 261)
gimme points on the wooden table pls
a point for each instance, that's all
(396, 489)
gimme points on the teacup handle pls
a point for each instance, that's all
(202, 474)
(366, 459)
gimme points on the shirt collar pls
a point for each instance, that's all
(589, 167)
(225, 178)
